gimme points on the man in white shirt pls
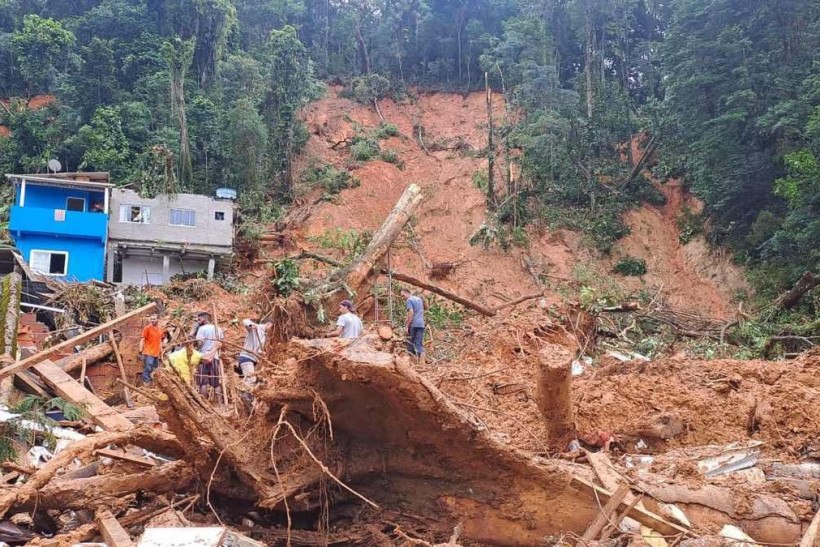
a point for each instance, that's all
(209, 339)
(348, 325)
(252, 348)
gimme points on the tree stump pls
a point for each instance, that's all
(554, 395)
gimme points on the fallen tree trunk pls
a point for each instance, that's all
(806, 283)
(102, 491)
(145, 437)
(357, 275)
(435, 289)
(91, 355)
(765, 518)
(554, 397)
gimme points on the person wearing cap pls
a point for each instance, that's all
(348, 325)
(252, 348)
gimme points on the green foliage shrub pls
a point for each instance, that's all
(364, 149)
(287, 276)
(690, 225)
(630, 265)
(330, 178)
(441, 316)
(370, 87)
(390, 156)
(481, 180)
(351, 242)
(385, 130)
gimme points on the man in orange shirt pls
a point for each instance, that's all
(150, 348)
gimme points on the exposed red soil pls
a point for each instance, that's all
(35, 103)
(453, 209)
(689, 277)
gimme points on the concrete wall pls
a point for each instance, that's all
(142, 270)
(207, 232)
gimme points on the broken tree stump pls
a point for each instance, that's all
(553, 395)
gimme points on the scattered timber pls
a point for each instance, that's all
(71, 390)
(112, 532)
(68, 345)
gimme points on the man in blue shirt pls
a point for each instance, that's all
(414, 323)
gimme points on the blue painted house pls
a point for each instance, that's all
(59, 222)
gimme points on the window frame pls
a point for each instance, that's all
(142, 208)
(219, 213)
(49, 252)
(83, 210)
(193, 217)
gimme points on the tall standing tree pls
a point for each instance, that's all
(290, 85)
(178, 54)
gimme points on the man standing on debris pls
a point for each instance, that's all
(150, 348)
(209, 338)
(348, 325)
(414, 323)
(252, 348)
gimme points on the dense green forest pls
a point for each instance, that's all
(195, 94)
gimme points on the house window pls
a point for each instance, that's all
(75, 204)
(182, 217)
(219, 215)
(49, 262)
(137, 214)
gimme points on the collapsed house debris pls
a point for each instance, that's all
(352, 442)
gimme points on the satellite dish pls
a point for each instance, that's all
(54, 165)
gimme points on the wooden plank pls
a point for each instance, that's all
(28, 383)
(118, 355)
(603, 518)
(113, 534)
(68, 345)
(69, 389)
(615, 523)
(645, 517)
(812, 536)
(125, 456)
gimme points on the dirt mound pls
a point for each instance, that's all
(490, 368)
(717, 402)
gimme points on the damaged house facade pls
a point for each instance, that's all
(152, 239)
(80, 227)
(59, 222)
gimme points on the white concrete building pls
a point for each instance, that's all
(150, 240)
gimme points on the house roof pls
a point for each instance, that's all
(83, 181)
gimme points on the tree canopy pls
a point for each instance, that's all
(194, 94)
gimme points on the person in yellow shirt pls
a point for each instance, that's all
(184, 360)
